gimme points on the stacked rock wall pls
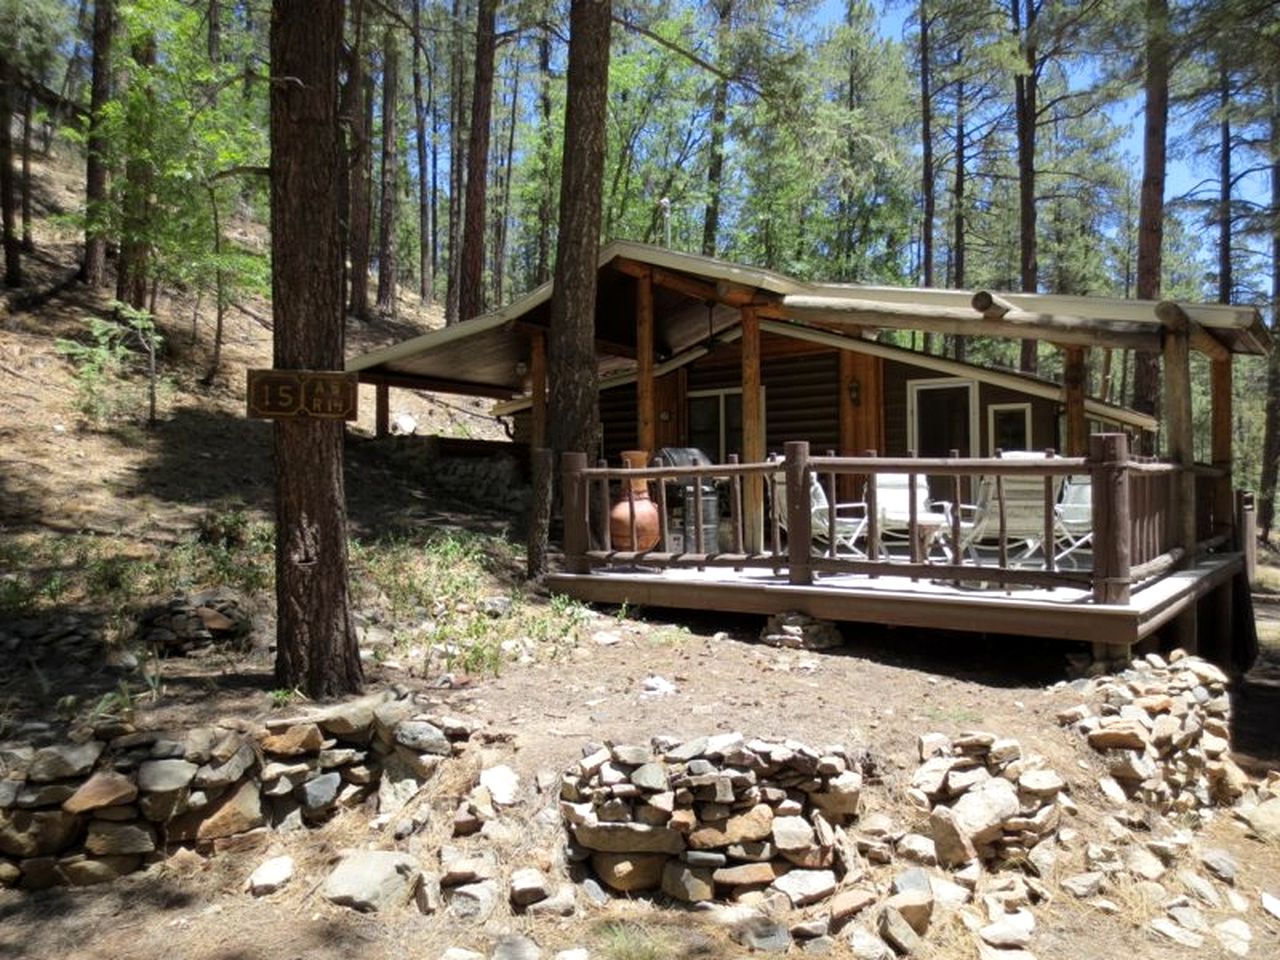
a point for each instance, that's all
(1164, 727)
(105, 803)
(715, 817)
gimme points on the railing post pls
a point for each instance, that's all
(1108, 467)
(799, 529)
(1247, 533)
(577, 512)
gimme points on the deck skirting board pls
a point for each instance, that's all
(1030, 614)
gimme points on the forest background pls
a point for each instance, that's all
(950, 143)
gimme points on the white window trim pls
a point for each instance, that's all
(942, 383)
(720, 454)
(995, 408)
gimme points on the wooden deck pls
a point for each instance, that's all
(1063, 613)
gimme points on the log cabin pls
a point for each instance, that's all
(791, 387)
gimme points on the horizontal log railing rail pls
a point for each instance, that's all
(1134, 508)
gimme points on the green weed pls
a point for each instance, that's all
(621, 940)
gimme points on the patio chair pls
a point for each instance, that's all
(1023, 513)
(1073, 517)
(851, 519)
(893, 509)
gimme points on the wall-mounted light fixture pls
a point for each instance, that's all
(855, 393)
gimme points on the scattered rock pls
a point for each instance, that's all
(1234, 935)
(528, 885)
(516, 948)
(761, 933)
(372, 880)
(503, 785)
(270, 876)
(474, 901)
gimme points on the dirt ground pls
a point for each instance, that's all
(880, 690)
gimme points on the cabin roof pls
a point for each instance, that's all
(697, 301)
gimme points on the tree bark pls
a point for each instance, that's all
(546, 147)
(502, 215)
(1226, 282)
(959, 344)
(93, 270)
(215, 31)
(1146, 372)
(132, 270)
(316, 647)
(359, 191)
(1025, 95)
(1271, 430)
(426, 279)
(8, 198)
(719, 114)
(471, 279)
(387, 196)
(457, 164)
(573, 410)
(28, 242)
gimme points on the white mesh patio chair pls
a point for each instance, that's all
(1073, 517)
(851, 519)
(1024, 507)
(893, 511)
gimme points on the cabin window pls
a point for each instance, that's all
(1008, 427)
(715, 421)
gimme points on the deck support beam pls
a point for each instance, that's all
(1176, 356)
(752, 428)
(646, 409)
(538, 389)
(381, 409)
(1074, 375)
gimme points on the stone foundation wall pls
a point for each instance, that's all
(106, 801)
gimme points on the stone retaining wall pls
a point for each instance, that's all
(718, 816)
(106, 801)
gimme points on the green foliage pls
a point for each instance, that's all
(627, 940)
(102, 366)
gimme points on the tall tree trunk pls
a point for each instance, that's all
(360, 190)
(425, 278)
(546, 147)
(316, 649)
(719, 114)
(502, 215)
(220, 292)
(959, 344)
(1025, 95)
(457, 159)
(387, 196)
(926, 159)
(1271, 431)
(215, 31)
(93, 270)
(433, 107)
(1226, 283)
(8, 196)
(132, 271)
(471, 279)
(573, 411)
(28, 242)
(1146, 371)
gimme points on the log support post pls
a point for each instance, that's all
(1176, 357)
(577, 512)
(381, 409)
(1074, 374)
(646, 407)
(1108, 467)
(752, 428)
(1220, 416)
(799, 517)
(538, 389)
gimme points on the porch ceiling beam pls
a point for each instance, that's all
(409, 381)
(611, 347)
(961, 321)
(721, 291)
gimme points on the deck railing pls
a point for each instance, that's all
(1147, 518)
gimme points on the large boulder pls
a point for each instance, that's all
(372, 880)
